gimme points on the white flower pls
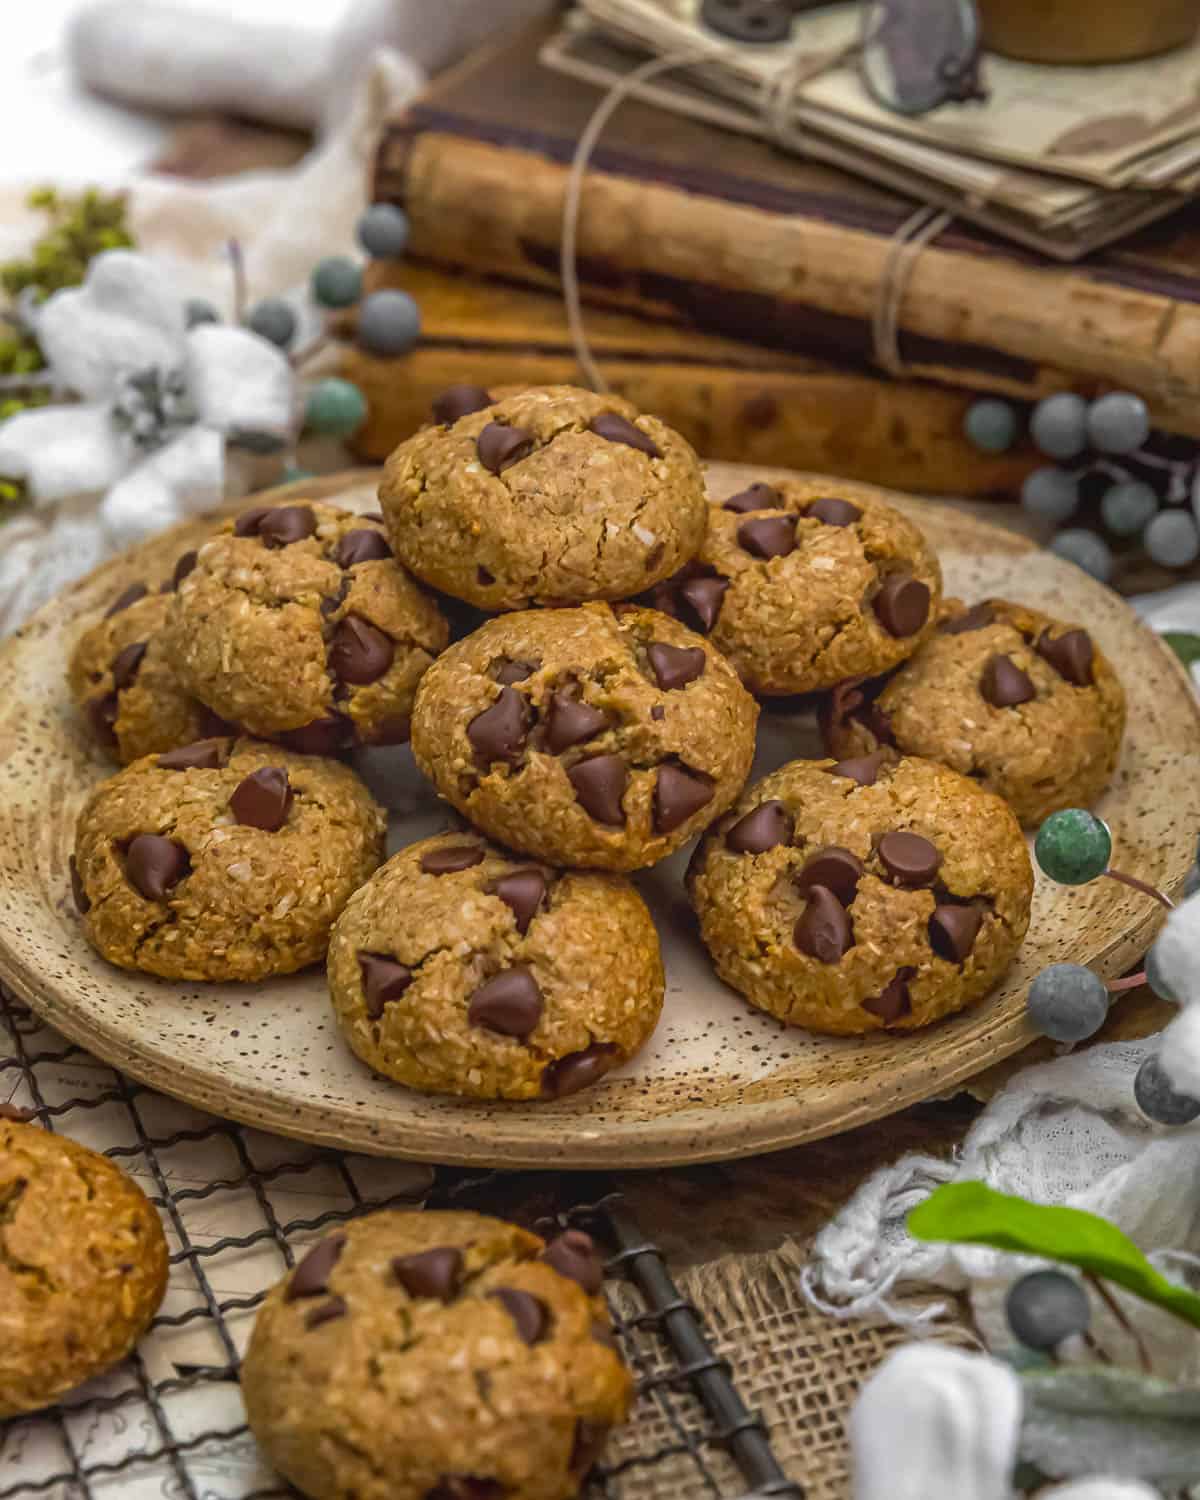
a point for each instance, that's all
(158, 404)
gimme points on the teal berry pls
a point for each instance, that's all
(337, 281)
(1127, 507)
(1157, 980)
(991, 425)
(335, 408)
(196, 311)
(1073, 846)
(1050, 494)
(383, 231)
(389, 323)
(272, 319)
(1118, 423)
(1059, 425)
(1067, 1003)
(1086, 550)
(293, 473)
(1172, 539)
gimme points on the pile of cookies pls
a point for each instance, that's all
(597, 710)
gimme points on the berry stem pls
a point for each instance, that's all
(314, 346)
(1130, 982)
(1122, 1318)
(1140, 885)
(237, 262)
(1090, 1340)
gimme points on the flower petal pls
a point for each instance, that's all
(239, 382)
(62, 450)
(126, 316)
(181, 479)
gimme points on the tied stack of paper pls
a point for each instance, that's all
(1062, 159)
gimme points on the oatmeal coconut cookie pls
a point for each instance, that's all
(436, 1356)
(226, 860)
(854, 895)
(459, 968)
(298, 624)
(593, 737)
(801, 587)
(553, 496)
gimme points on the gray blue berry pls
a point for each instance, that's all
(1158, 1100)
(1059, 425)
(1050, 494)
(1068, 1003)
(272, 319)
(383, 231)
(1127, 507)
(992, 425)
(1045, 1308)
(1172, 539)
(1118, 423)
(1086, 550)
(197, 310)
(336, 282)
(389, 323)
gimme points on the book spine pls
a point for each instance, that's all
(1004, 324)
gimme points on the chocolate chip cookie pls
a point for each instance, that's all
(461, 969)
(124, 685)
(802, 585)
(1025, 704)
(436, 1356)
(297, 623)
(83, 1266)
(850, 896)
(552, 496)
(593, 737)
(226, 860)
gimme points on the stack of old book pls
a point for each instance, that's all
(735, 288)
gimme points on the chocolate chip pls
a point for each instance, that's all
(705, 595)
(249, 521)
(500, 447)
(126, 663)
(978, 617)
(1004, 685)
(599, 785)
(615, 429)
(396, 730)
(450, 861)
(331, 603)
(511, 1003)
(132, 594)
(529, 1313)
(902, 604)
(155, 865)
(321, 737)
(571, 722)
(430, 1273)
(203, 755)
(953, 930)
(768, 826)
(185, 564)
(459, 401)
(102, 716)
(908, 858)
(328, 1312)
(679, 792)
(658, 713)
(834, 512)
(360, 547)
(863, 768)
(573, 1254)
(675, 666)
(768, 536)
(384, 980)
(823, 930)
(359, 652)
(588, 1445)
(893, 1001)
(836, 869)
(311, 1276)
(522, 892)
(1072, 655)
(499, 732)
(83, 902)
(214, 727)
(508, 672)
(287, 524)
(579, 1070)
(602, 1333)
(465, 1487)
(263, 799)
(757, 497)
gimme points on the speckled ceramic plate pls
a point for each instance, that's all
(719, 1079)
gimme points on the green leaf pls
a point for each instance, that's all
(1186, 647)
(971, 1213)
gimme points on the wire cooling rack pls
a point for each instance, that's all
(238, 1207)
